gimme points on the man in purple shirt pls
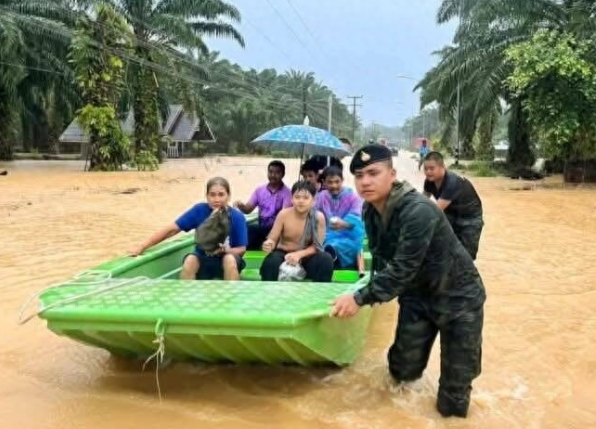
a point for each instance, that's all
(270, 199)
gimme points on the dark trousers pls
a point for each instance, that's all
(468, 232)
(257, 234)
(318, 267)
(461, 352)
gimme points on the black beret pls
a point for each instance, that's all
(368, 155)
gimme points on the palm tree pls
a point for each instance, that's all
(36, 97)
(477, 60)
(160, 27)
(100, 75)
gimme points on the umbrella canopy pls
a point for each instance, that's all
(302, 140)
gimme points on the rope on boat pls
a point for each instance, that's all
(159, 354)
(83, 278)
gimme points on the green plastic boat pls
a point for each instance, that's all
(137, 307)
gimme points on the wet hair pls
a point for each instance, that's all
(218, 181)
(310, 165)
(435, 156)
(278, 164)
(333, 171)
(303, 185)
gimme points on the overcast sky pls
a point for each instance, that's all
(356, 47)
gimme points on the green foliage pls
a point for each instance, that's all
(479, 168)
(477, 63)
(145, 161)
(278, 154)
(108, 144)
(482, 169)
(146, 133)
(34, 104)
(483, 140)
(242, 104)
(161, 29)
(199, 149)
(555, 77)
(100, 75)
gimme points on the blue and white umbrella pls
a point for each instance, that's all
(302, 140)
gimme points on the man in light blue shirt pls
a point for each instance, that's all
(424, 150)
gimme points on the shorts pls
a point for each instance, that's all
(211, 267)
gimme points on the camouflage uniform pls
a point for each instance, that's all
(417, 257)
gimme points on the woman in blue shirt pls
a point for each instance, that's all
(226, 262)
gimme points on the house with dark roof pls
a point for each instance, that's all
(181, 131)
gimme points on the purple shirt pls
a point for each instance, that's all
(270, 203)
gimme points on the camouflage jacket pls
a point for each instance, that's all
(417, 255)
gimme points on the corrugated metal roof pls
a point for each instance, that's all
(74, 133)
(180, 126)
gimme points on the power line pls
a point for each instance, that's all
(304, 24)
(171, 54)
(289, 27)
(159, 67)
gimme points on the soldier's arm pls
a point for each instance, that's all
(398, 275)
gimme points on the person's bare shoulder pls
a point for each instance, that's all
(284, 212)
(320, 216)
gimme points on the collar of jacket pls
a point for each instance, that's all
(398, 191)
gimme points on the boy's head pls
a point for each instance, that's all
(374, 175)
(276, 170)
(303, 196)
(310, 171)
(434, 167)
(334, 179)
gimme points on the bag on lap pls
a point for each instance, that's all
(290, 273)
(213, 231)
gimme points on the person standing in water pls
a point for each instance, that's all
(424, 150)
(418, 258)
(296, 238)
(457, 197)
(226, 262)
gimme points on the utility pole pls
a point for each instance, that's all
(330, 112)
(304, 113)
(354, 98)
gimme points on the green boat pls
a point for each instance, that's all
(137, 307)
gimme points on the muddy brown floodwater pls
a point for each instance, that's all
(537, 258)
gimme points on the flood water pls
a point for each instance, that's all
(537, 258)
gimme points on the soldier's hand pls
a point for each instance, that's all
(345, 306)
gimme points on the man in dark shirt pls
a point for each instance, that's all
(417, 257)
(457, 198)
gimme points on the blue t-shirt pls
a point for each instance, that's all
(194, 217)
(424, 150)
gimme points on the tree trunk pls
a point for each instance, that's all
(7, 121)
(94, 159)
(520, 152)
(146, 133)
(467, 149)
(5, 149)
